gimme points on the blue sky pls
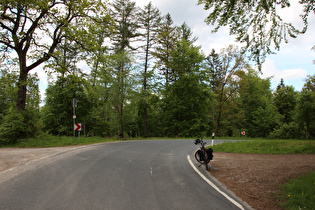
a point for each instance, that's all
(293, 62)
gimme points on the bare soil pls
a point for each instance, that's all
(253, 178)
(14, 157)
(256, 178)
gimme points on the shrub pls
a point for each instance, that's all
(17, 125)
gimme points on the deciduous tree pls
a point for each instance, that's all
(222, 69)
(32, 29)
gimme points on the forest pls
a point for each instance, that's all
(146, 78)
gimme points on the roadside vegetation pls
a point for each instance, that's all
(295, 194)
(267, 147)
(299, 193)
(56, 141)
(47, 140)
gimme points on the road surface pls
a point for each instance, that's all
(124, 175)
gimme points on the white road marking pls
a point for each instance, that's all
(213, 185)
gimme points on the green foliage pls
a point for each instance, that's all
(154, 116)
(299, 193)
(33, 30)
(127, 93)
(17, 125)
(287, 131)
(256, 23)
(285, 99)
(260, 113)
(12, 128)
(166, 41)
(267, 147)
(306, 108)
(185, 59)
(58, 110)
(184, 105)
(7, 90)
(223, 71)
(124, 14)
(265, 119)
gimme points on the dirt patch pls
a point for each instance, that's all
(13, 157)
(256, 178)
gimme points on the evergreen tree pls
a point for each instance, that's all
(166, 42)
(186, 98)
(184, 108)
(306, 108)
(124, 13)
(150, 19)
(285, 100)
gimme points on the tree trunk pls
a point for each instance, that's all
(22, 83)
(145, 85)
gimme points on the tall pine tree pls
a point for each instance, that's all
(150, 20)
(124, 13)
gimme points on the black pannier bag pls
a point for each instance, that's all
(209, 153)
(201, 156)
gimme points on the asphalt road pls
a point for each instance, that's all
(124, 175)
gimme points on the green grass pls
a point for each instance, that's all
(57, 141)
(46, 140)
(267, 147)
(299, 193)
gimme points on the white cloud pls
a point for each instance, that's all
(269, 70)
(293, 77)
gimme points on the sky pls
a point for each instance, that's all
(293, 62)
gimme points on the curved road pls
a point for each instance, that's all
(124, 175)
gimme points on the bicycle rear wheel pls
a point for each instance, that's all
(201, 157)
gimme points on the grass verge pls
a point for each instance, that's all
(299, 193)
(267, 147)
(57, 141)
(47, 140)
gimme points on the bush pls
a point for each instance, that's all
(17, 125)
(287, 131)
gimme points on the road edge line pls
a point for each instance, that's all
(213, 185)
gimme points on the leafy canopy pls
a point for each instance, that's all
(257, 23)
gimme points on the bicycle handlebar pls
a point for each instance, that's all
(200, 141)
